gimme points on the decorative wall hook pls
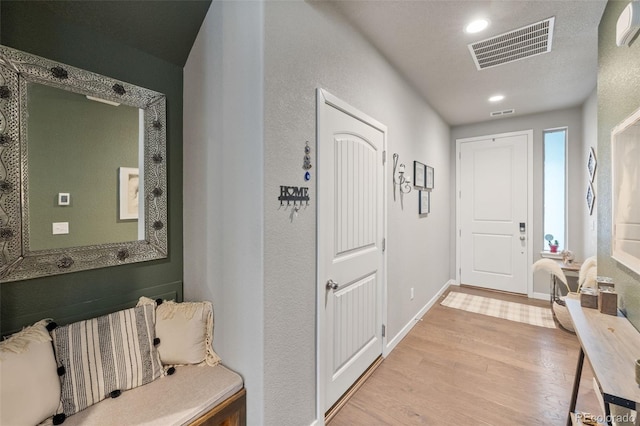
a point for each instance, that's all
(307, 157)
(403, 183)
(306, 165)
(293, 194)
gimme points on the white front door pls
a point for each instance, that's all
(493, 212)
(350, 236)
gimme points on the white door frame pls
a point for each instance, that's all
(529, 232)
(323, 97)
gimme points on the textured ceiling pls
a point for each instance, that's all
(425, 41)
(165, 29)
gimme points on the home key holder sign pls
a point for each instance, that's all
(293, 194)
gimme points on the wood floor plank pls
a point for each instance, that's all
(460, 368)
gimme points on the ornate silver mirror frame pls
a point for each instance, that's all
(17, 262)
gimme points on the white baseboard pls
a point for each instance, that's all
(540, 296)
(315, 423)
(391, 344)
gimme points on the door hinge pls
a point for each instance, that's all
(460, 155)
(384, 157)
(384, 330)
(384, 244)
(460, 232)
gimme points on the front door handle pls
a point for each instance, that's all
(332, 285)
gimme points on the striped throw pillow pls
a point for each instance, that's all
(110, 353)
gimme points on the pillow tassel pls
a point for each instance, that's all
(188, 309)
(212, 359)
(18, 343)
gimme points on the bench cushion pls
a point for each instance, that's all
(171, 400)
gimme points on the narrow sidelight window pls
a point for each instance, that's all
(555, 178)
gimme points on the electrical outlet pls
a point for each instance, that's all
(411, 293)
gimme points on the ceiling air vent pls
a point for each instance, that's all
(503, 112)
(532, 40)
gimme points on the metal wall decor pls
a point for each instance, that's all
(592, 164)
(306, 165)
(293, 195)
(399, 179)
(17, 261)
(591, 197)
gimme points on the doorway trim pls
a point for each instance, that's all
(323, 97)
(529, 233)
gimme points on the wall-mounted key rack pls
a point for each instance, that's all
(293, 195)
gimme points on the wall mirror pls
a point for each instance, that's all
(625, 153)
(82, 169)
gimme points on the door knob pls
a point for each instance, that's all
(332, 285)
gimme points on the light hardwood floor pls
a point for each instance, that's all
(461, 368)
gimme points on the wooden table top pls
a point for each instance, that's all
(573, 266)
(612, 346)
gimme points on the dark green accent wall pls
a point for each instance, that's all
(77, 146)
(618, 97)
(27, 26)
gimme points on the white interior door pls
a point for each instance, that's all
(350, 236)
(493, 212)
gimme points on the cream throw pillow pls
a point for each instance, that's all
(185, 331)
(29, 383)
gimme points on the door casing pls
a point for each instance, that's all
(529, 232)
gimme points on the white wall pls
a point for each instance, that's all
(223, 181)
(590, 140)
(249, 107)
(571, 118)
(308, 45)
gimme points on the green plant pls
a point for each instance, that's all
(550, 238)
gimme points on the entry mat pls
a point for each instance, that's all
(534, 315)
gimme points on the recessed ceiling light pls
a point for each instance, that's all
(496, 98)
(476, 26)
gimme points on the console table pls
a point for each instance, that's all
(612, 346)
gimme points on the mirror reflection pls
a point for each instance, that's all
(625, 146)
(83, 163)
